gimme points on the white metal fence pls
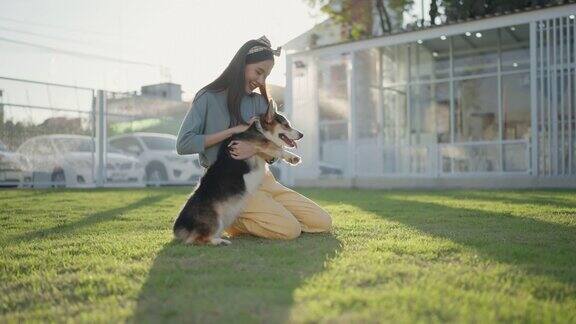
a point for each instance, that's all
(553, 76)
(67, 136)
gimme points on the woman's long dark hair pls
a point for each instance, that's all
(232, 79)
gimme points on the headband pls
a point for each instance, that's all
(264, 46)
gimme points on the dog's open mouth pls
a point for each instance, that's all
(288, 141)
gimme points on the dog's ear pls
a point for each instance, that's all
(272, 108)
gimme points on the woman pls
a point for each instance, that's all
(223, 108)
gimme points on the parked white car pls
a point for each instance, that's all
(157, 152)
(12, 167)
(69, 160)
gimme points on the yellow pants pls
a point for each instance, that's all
(277, 212)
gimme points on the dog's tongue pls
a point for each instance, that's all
(290, 142)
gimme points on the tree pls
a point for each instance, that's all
(356, 16)
(465, 9)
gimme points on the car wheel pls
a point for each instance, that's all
(58, 178)
(156, 174)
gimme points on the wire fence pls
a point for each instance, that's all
(54, 135)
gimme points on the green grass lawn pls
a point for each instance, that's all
(394, 256)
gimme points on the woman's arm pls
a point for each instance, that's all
(216, 138)
(191, 137)
(213, 139)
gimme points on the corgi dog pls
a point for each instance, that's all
(223, 190)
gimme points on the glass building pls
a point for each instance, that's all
(486, 102)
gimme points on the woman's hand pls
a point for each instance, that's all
(241, 150)
(241, 128)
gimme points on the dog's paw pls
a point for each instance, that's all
(225, 242)
(294, 159)
(219, 241)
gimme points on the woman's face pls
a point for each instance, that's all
(255, 74)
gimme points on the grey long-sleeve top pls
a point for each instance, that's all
(209, 115)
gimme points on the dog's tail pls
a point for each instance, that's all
(196, 223)
(190, 237)
(185, 235)
(189, 231)
(183, 226)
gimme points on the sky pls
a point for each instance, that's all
(120, 45)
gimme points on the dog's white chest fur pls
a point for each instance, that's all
(253, 179)
(232, 207)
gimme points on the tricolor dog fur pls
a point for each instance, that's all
(223, 190)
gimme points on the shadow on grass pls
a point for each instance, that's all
(537, 247)
(252, 280)
(84, 222)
